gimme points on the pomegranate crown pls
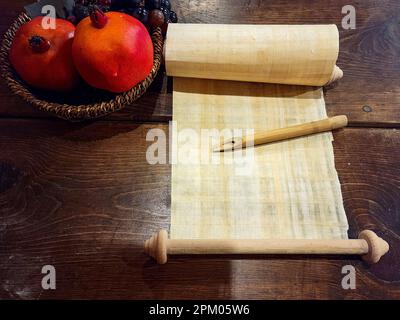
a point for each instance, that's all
(98, 18)
(39, 44)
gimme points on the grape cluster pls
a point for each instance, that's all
(152, 13)
(83, 8)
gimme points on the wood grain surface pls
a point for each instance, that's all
(83, 198)
(369, 56)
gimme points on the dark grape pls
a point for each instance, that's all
(165, 12)
(72, 19)
(166, 4)
(104, 8)
(81, 11)
(156, 18)
(117, 4)
(164, 27)
(126, 10)
(141, 14)
(153, 4)
(133, 3)
(92, 7)
(173, 17)
(104, 3)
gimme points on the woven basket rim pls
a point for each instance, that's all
(66, 111)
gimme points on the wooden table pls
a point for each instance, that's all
(82, 197)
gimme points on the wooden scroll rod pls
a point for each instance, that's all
(369, 246)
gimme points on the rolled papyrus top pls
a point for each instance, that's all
(285, 54)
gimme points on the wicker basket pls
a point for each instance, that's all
(85, 102)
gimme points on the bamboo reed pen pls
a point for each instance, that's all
(369, 246)
(280, 134)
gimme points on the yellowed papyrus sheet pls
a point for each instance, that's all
(291, 189)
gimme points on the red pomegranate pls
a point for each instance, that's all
(43, 57)
(112, 51)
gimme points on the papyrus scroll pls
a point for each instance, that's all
(254, 77)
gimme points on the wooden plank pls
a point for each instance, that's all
(83, 198)
(369, 56)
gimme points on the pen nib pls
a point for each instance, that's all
(228, 146)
